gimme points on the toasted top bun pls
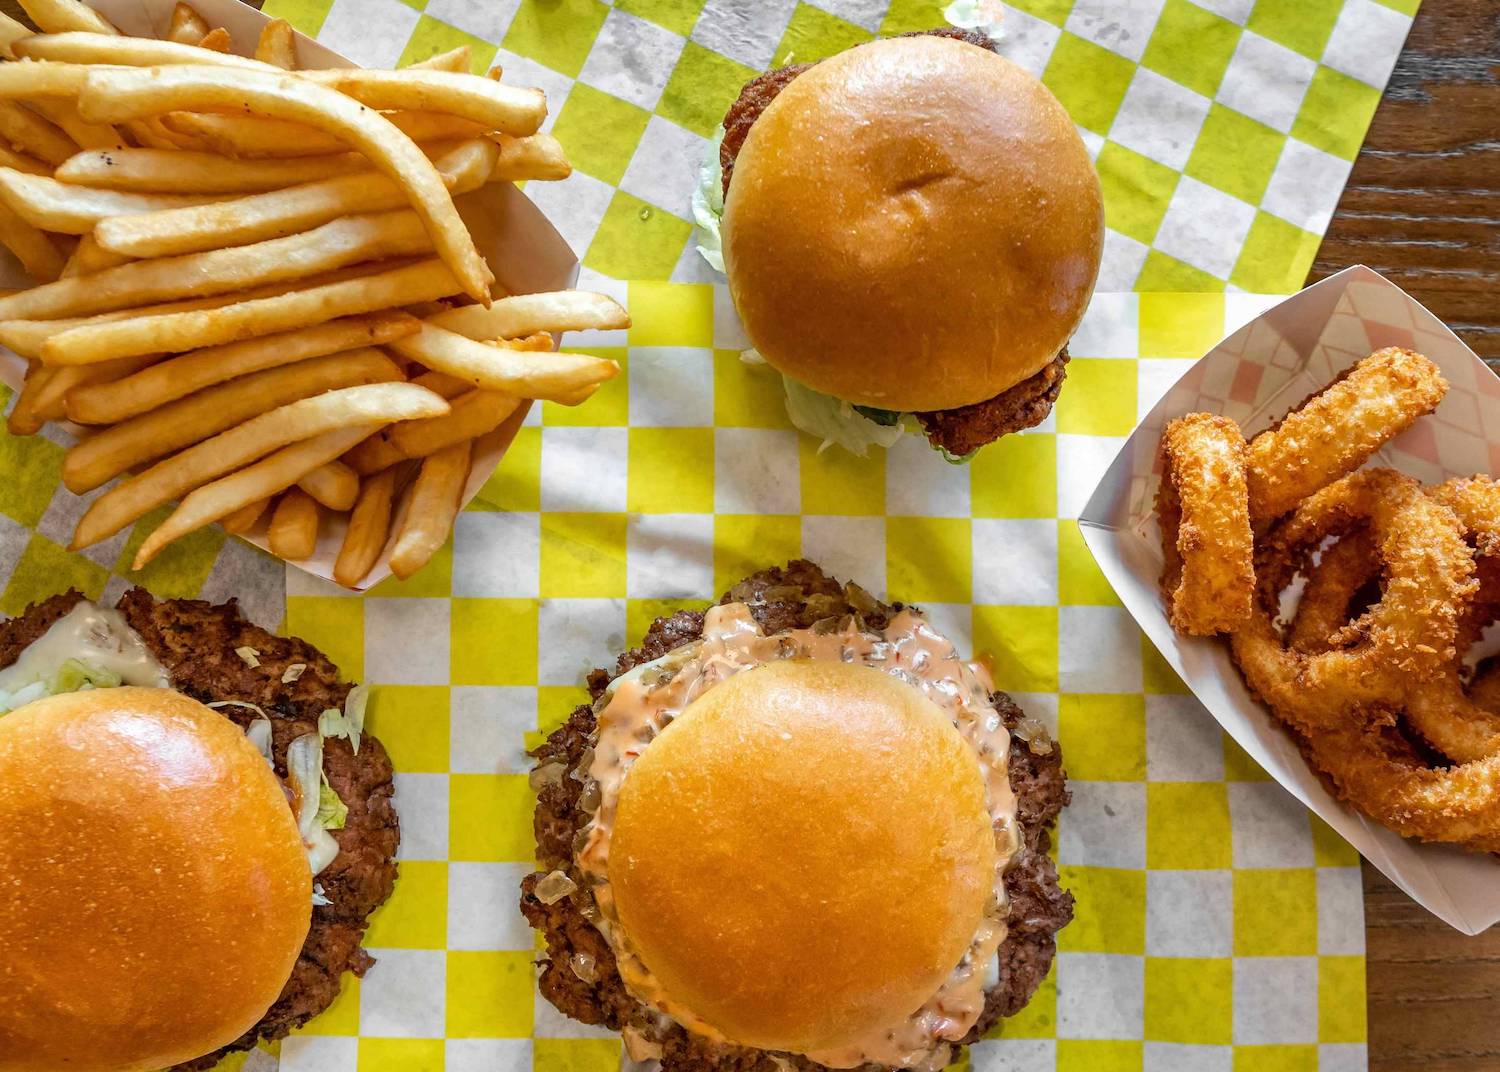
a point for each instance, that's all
(804, 855)
(156, 891)
(913, 224)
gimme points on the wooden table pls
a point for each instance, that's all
(1423, 207)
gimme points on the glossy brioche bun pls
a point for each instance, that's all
(156, 891)
(913, 224)
(804, 855)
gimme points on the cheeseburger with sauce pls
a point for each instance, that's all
(796, 829)
(911, 230)
(193, 832)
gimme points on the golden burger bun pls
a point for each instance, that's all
(913, 224)
(804, 855)
(156, 891)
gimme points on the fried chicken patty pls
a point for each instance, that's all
(578, 973)
(959, 431)
(195, 642)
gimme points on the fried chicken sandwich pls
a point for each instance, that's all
(193, 832)
(911, 231)
(795, 831)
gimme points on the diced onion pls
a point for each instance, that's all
(250, 656)
(304, 769)
(553, 887)
(584, 966)
(259, 734)
(319, 897)
(322, 851)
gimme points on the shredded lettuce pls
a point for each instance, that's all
(72, 675)
(332, 811)
(350, 722)
(708, 206)
(986, 16)
(836, 422)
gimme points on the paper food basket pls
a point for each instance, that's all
(1267, 367)
(522, 248)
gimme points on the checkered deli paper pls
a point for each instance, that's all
(1219, 924)
(1223, 130)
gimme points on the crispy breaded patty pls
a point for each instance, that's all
(196, 641)
(959, 431)
(578, 973)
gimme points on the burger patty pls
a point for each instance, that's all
(195, 642)
(959, 431)
(578, 974)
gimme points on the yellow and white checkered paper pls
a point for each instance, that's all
(1219, 925)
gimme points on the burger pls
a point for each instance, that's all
(796, 830)
(193, 833)
(911, 231)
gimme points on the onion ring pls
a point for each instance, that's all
(1476, 501)
(1336, 431)
(1484, 690)
(1338, 702)
(1203, 505)
(1322, 616)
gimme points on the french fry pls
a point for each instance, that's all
(27, 337)
(366, 406)
(369, 527)
(53, 398)
(11, 30)
(334, 485)
(34, 80)
(377, 452)
(293, 532)
(259, 217)
(244, 519)
(25, 416)
(57, 206)
(63, 16)
(455, 59)
(177, 377)
(540, 156)
(27, 132)
(253, 136)
(95, 48)
(526, 314)
(87, 258)
(9, 158)
(277, 45)
(64, 116)
(450, 387)
(187, 26)
(176, 332)
(434, 504)
(515, 369)
(216, 40)
(508, 109)
(113, 94)
(471, 415)
(337, 244)
(167, 171)
(32, 248)
(101, 457)
(228, 494)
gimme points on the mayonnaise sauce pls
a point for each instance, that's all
(639, 704)
(96, 636)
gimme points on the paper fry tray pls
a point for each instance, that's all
(523, 249)
(1267, 367)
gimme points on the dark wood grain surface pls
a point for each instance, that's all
(1423, 207)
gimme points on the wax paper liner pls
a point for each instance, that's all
(1255, 375)
(523, 249)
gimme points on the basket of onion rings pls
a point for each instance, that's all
(1307, 528)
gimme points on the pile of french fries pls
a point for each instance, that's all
(254, 280)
